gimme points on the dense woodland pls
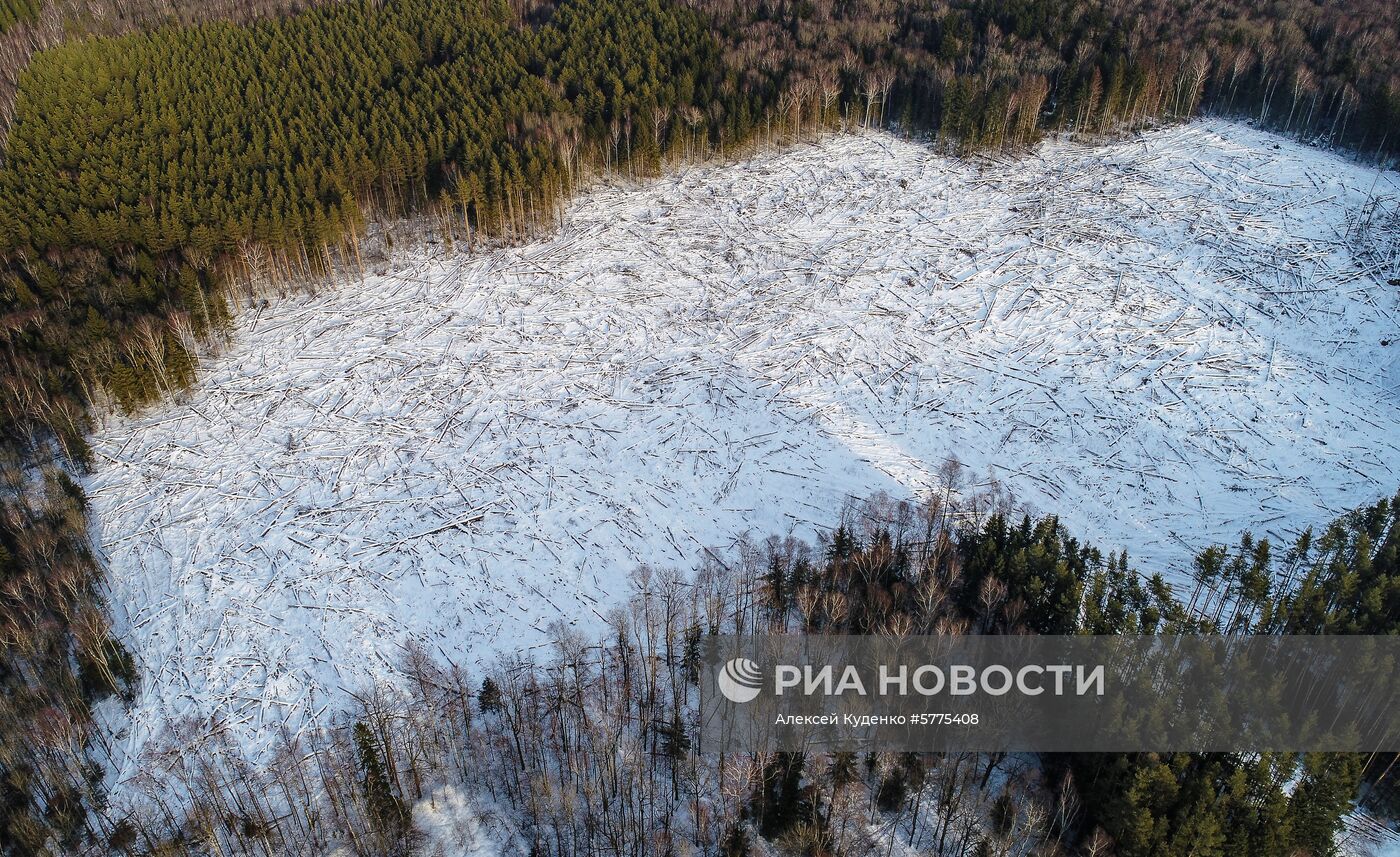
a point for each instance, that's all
(145, 173)
(162, 162)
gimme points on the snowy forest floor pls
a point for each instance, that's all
(1167, 341)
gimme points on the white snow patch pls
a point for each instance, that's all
(1167, 341)
(450, 826)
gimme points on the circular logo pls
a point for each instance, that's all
(739, 680)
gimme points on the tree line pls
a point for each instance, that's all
(992, 73)
(590, 746)
(59, 659)
(143, 172)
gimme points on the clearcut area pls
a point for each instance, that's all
(1166, 341)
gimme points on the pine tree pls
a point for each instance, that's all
(1328, 786)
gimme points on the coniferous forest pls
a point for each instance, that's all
(158, 160)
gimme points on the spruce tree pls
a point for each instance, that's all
(386, 812)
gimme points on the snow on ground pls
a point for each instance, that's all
(1365, 835)
(1167, 341)
(451, 825)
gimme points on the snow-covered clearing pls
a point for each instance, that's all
(1167, 341)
